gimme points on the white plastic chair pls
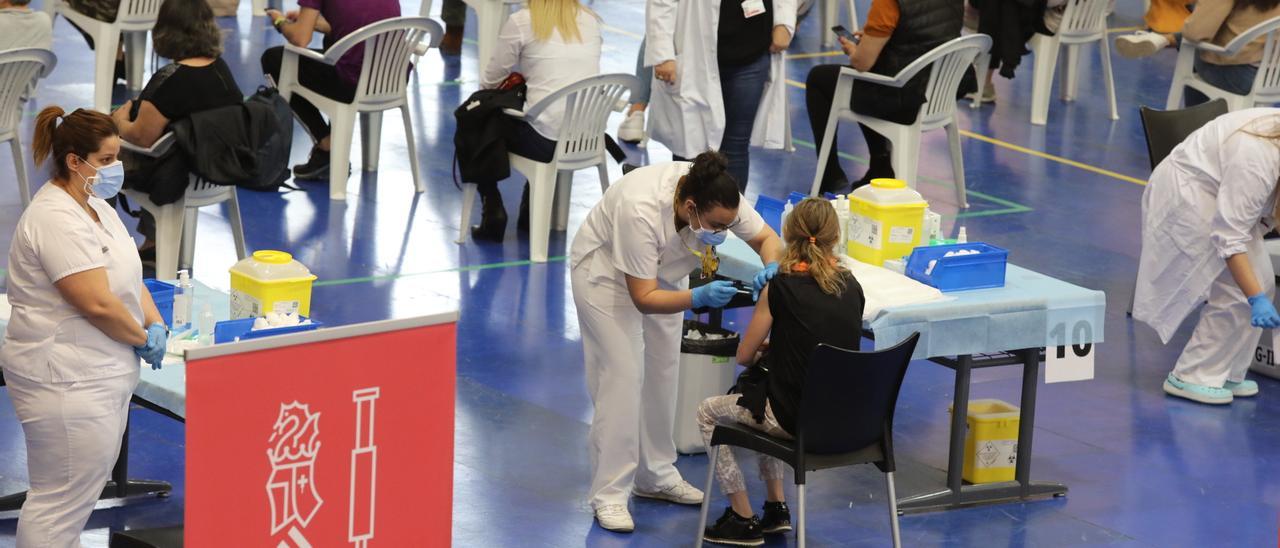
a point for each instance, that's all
(1266, 85)
(260, 6)
(176, 222)
(947, 64)
(1084, 21)
(382, 86)
(587, 106)
(135, 19)
(19, 69)
(830, 12)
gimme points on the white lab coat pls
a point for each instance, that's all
(688, 116)
(70, 383)
(1204, 203)
(632, 358)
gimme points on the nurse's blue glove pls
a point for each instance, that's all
(713, 295)
(762, 279)
(157, 343)
(1264, 312)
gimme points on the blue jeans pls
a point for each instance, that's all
(742, 88)
(645, 75)
(1236, 79)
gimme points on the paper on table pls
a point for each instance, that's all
(884, 288)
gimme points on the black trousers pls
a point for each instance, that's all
(527, 142)
(316, 76)
(871, 99)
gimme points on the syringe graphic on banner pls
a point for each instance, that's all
(364, 470)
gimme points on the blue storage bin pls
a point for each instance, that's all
(796, 197)
(242, 329)
(162, 293)
(959, 273)
(771, 210)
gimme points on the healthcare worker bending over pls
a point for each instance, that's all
(630, 266)
(1204, 214)
(81, 319)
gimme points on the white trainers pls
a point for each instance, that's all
(681, 492)
(631, 130)
(1140, 44)
(616, 518)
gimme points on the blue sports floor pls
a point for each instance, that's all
(1143, 469)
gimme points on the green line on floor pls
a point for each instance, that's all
(465, 268)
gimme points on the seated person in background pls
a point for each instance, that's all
(1216, 22)
(335, 20)
(552, 43)
(20, 27)
(894, 36)
(812, 301)
(197, 80)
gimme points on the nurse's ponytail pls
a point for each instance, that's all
(709, 183)
(58, 134)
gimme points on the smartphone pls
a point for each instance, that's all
(844, 33)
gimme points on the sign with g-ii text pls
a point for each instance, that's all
(338, 437)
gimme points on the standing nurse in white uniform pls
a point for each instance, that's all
(81, 319)
(1204, 213)
(630, 265)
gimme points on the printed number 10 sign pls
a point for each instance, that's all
(1069, 362)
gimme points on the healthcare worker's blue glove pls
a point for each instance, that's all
(157, 342)
(1264, 311)
(713, 295)
(762, 279)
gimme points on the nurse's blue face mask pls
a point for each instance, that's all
(106, 182)
(706, 235)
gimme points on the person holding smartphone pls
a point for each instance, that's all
(895, 35)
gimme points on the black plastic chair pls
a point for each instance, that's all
(846, 418)
(1165, 129)
(165, 537)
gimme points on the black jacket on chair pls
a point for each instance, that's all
(244, 145)
(479, 144)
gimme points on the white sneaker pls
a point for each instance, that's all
(1140, 44)
(681, 492)
(631, 130)
(616, 518)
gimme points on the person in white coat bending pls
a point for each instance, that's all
(1204, 212)
(720, 76)
(81, 319)
(630, 265)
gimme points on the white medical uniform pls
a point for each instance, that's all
(1205, 202)
(632, 358)
(688, 115)
(70, 383)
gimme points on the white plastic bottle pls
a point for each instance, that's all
(786, 210)
(962, 238)
(843, 215)
(206, 326)
(182, 303)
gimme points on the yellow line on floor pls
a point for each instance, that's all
(814, 55)
(1125, 29)
(1036, 153)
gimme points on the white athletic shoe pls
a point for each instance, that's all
(1140, 44)
(681, 492)
(631, 130)
(616, 518)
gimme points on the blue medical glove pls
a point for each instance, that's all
(713, 295)
(157, 343)
(1264, 311)
(762, 279)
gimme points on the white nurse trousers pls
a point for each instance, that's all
(632, 362)
(73, 432)
(1222, 346)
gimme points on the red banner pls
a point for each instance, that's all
(340, 442)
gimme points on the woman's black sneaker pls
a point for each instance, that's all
(776, 519)
(735, 530)
(316, 168)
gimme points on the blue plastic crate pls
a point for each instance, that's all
(796, 197)
(959, 273)
(771, 210)
(242, 329)
(162, 293)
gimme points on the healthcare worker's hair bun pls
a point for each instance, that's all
(709, 183)
(58, 134)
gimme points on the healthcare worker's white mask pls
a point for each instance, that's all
(107, 182)
(704, 234)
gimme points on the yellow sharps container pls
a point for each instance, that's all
(886, 221)
(270, 281)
